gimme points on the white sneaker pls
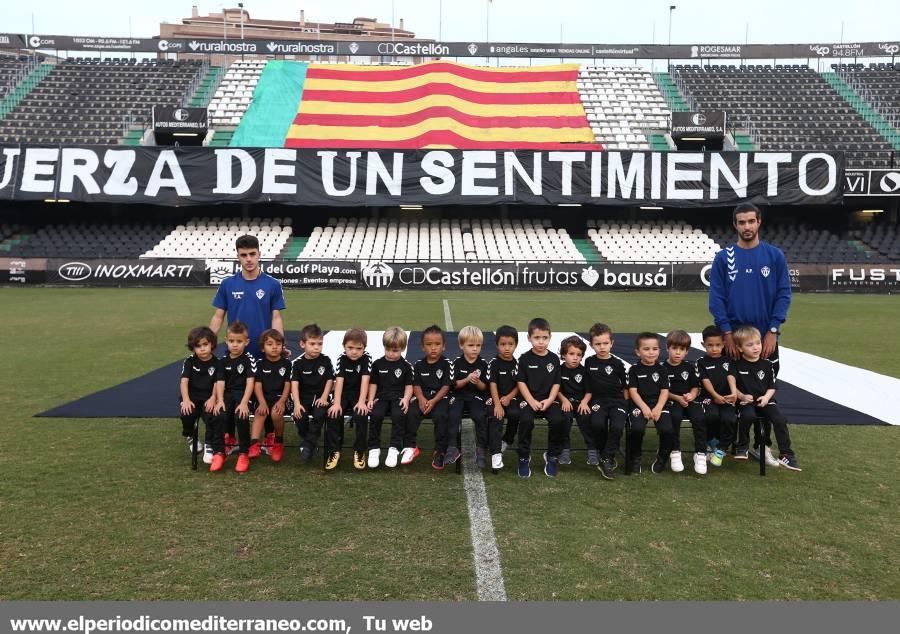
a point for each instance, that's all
(207, 453)
(700, 462)
(374, 458)
(770, 459)
(675, 462)
(391, 460)
(407, 455)
(497, 461)
(190, 445)
(503, 446)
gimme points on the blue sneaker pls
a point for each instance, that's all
(525, 467)
(550, 465)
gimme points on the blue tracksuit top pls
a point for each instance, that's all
(749, 287)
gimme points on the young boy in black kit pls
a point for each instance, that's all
(351, 388)
(608, 385)
(503, 390)
(468, 394)
(538, 380)
(716, 395)
(312, 377)
(432, 378)
(390, 391)
(684, 388)
(235, 390)
(574, 398)
(199, 374)
(754, 382)
(271, 389)
(648, 388)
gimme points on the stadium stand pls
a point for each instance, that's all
(12, 70)
(883, 239)
(622, 105)
(444, 240)
(235, 93)
(86, 100)
(214, 238)
(879, 85)
(787, 107)
(87, 241)
(657, 242)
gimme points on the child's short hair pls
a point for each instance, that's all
(433, 329)
(642, 336)
(394, 338)
(538, 323)
(601, 329)
(355, 335)
(470, 333)
(572, 342)
(198, 334)
(237, 327)
(712, 331)
(506, 331)
(310, 331)
(678, 339)
(745, 334)
(272, 334)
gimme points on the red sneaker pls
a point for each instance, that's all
(277, 452)
(243, 463)
(231, 445)
(217, 462)
(268, 444)
(255, 451)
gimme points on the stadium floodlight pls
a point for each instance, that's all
(411, 207)
(871, 211)
(651, 208)
(569, 205)
(57, 200)
(241, 7)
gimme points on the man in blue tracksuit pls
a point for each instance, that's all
(749, 285)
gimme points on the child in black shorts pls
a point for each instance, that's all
(199, 374)
(503, 389)
(271, 389)
(312, 377)
(608, 384)
(351, 387)
(390, 391)
(235, 389)
(574, 398)
(432, 377)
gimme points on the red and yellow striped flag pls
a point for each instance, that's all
(440, 105)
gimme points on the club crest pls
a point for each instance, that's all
(211, 371)
(551, 367)
(609, 369)
(655, 377)
(398, 372)
(760, 375)
(522, 404)
(439, 373)
(578, 378)
(725, 366)
(240, 368)
(595, 407)
(260, 294)
(765, 271)
(280, 371)
(635, 412)
(321, 370)
(684, 375)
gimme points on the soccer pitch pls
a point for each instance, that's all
(108, 508)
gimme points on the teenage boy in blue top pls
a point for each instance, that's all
(250, 296)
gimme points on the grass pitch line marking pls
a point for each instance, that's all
(448, 323)
(488, 573)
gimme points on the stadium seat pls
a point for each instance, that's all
(210, 238)
(660, 242)
(235, 93)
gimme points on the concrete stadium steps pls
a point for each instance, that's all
(15, 96)
(889, 133)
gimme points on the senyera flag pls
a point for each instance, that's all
(441, 105)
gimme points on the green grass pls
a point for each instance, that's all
(108, 509)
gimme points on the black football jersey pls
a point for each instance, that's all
(201, 376)
(539, 374)
(503, 374)
(682, 377)
(754, 377)
(312, 375)
(462, 369)
(391, 377)
(649, 380)
(717, 371)
(573, 382)
(237, 371)
(272, 375)
(606, 377)
(352, 372)
(431, 377)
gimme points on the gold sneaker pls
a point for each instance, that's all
(359, 460)
(333, 461)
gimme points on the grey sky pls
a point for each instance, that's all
(709, 21)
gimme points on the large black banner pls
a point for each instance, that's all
(414, 48)
(170, 120)
(702, 125)
(203, 175)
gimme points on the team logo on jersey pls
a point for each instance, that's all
(578, 378)
(260, 294)
(655, 377)
(550, 367)
(522, 404)
(725, 366)
(439, 373)
(398, 372)
(595, 407)
(760, 375)
(609, 369)
(684, 375)
(765, 271)
(321, 370)
(240, 368)
(635, 412)
(211, 371)
(281, 371)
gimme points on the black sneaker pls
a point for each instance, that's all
(479, 458)
(741, 454)
(659, 465)
(790, 462)
(437, 462)
(636, 466)
(451, 456)
(306, 454)
(606, 469)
